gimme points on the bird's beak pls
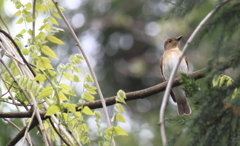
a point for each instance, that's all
(179, 38)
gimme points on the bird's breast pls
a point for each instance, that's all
(169, 62)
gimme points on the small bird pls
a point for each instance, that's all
(167, 64)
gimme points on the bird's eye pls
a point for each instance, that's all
(170, 41)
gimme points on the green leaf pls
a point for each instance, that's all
(86, 110)
(109, 130)
(53, 21)
(49, 52)
(97, 114)
(67, 76)
(56, 15)
(23, 31)
(29, 19)
(28, 6)
(47, 27)
(62, 9)
(87, 86)
(88, 97)
(20, 21)
(41, 36)
(119, 131)
(120, 118)
(30, 85)
(43, 63)
(40, 78)
(91, 91)
(73, 68)
(75, 78)
(55, 40)
(67, 90)
(70, 107)
(88, 78)
(62, 96)
(17, 13)
(25, 12)
(40, 7)
(46, 92)
(52, 73)
(122, 94)
(120, 99)
(53, 109)
(119, 107)
(25, 51)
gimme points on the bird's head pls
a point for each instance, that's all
(172, 43)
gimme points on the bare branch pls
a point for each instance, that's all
(88, 64)
(51, 122)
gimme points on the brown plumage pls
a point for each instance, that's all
(167, 63)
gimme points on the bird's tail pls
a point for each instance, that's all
(182, 103)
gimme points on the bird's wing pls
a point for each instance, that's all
(161, 65)
(186, 63)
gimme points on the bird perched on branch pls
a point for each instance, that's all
(167, 64)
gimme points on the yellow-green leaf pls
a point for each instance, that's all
(67, 76)
(46, 92)
(86, 110)
(28, 6)
(88, 78)
(29, 19)
(56, 15)
(25, 12)
(40, 7)
(20, 21)
(122, 94)
(53, 20)
(17, 13)
(40, 78)
(53, 109)
(91, 91)
(119, 131)
(55, 40)
(119, 107)
(88, 97)
(49, 52)
(119, 99)
(25, 51)
(75, 78)
(67, 90)
(70, 107)
(62, 96)
(120, 118)
(43, 63)
(47, 27)
(41, 36)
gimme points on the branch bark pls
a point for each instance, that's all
(111, 100)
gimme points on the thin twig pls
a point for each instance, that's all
(18, 50)
(88, 64)
(170, 81)
(28, 126)
(4, 24)
(175, 4)
(59, 134)
(21, 133)
(33, 24)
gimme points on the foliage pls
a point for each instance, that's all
(53, 88)
(124, 38)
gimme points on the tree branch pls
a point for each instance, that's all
(111, 100)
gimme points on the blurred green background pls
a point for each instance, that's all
(124, 41)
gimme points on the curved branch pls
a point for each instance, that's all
(169, 86)
(18, 50)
